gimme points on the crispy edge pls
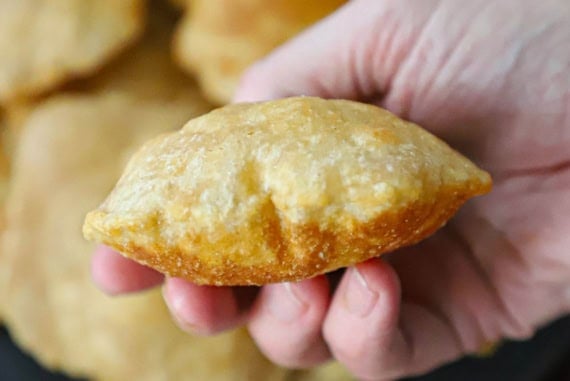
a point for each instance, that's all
(303, 251)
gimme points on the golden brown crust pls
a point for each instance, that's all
(312, 250)
(242, 204)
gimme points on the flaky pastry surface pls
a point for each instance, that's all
(282, 191)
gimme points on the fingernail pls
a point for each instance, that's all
(283, 303)
(359, 299)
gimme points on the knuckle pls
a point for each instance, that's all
(283, 355)
(342, 349)
(293, 348)
(521, 332)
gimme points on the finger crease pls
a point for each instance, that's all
(469, 254)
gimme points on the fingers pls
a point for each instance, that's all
(115, 274)
(202, 310)
(286, 322)
(373, 337)
(197, 309)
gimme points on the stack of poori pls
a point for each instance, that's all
(248, 194)
(83, 83)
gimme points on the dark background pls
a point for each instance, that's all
(546, 357)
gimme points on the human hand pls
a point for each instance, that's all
(491, 78)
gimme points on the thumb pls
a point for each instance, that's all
(353, 54)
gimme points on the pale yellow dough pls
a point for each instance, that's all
(218, 39)
(45, 42)
(282, 191)
(71, 151)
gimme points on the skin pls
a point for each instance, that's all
(493, 79)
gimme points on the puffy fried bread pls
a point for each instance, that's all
(4, 181)
(5, 154)
(71, 152)
(282, 190)
(45, 42)
(147, 69)
(218, 39)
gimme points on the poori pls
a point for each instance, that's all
(146, 69)
(71, 151)
(282, 190)
(218, 39)
(45, 42)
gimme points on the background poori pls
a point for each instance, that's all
(218, 39)
(83, 84)
(537, 359)
(43, 43)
